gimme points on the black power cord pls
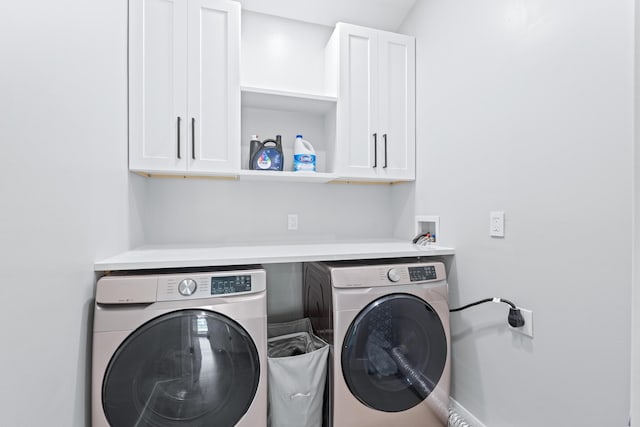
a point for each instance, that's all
(515, 318)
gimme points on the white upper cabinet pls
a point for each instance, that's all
(184, 93)
(397, 100)
(358, 101)
(157, 85)
(376, 103)
(185, 110)
(214, 85)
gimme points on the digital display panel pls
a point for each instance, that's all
(230, 284)
(418, 274)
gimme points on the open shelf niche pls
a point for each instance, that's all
(270, 112)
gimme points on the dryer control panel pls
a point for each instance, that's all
(362, 276)
(422, 273)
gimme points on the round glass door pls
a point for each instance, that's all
(394, 353)
(186, 368)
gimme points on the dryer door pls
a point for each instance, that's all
(394, 353)
(185, 368)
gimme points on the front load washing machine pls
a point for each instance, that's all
(389, 329)
(180, 350)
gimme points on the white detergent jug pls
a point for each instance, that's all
(304, 156)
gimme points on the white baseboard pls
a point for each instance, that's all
(462, 411)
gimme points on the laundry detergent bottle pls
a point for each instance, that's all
(304, 156)
(254, 146)
(267, 155)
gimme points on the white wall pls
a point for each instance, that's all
(66, 197)
(281, 53)
(382, 14)
(206, 211)
(526, 106)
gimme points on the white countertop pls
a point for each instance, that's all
(155, 257)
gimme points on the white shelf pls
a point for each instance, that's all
(286, 100)
(311, 177)
(153, 257)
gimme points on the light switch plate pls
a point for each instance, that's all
(496, 224)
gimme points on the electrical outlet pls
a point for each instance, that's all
(292, 222)
(527, 329)
(496, 224)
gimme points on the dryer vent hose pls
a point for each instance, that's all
(423, 386)
(456, 420)
(420, 384)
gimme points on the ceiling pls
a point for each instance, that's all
(381, 14)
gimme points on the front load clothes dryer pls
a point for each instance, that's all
(180, 350)
(389, 329)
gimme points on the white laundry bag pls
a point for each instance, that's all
(297, 366)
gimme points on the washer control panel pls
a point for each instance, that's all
(210, 285)
(137, 289)
(230, 284)
(204, 286)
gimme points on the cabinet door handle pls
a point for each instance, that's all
(375, 150)
(193, 138)
(385, 150)
(179, 121)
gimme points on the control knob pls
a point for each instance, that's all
(187, 287)
(393, 275)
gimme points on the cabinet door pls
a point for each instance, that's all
(357, 129)
(157, 85)
(214, 86)
(397, 105)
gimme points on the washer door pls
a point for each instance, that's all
(394, 353)
(186, 368)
